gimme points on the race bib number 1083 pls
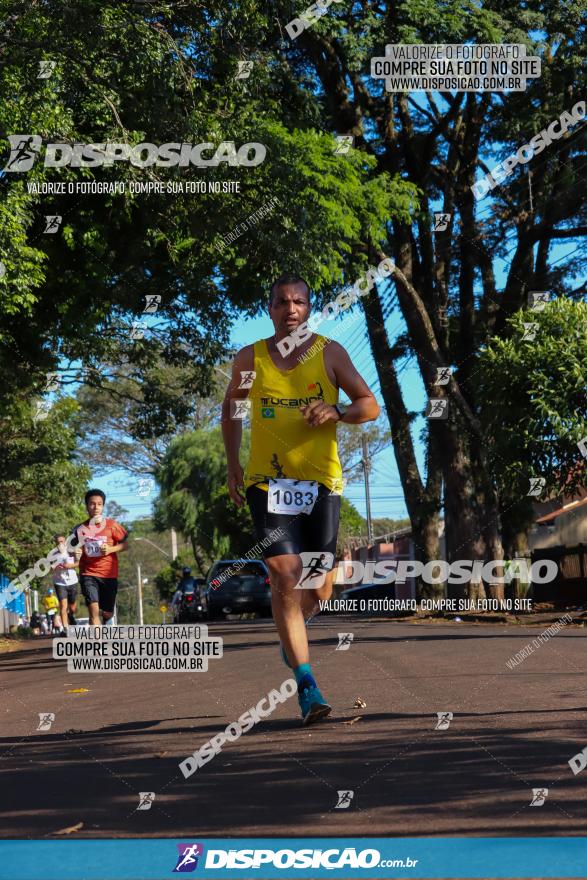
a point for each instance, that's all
(292, 496)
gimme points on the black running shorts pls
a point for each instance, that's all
(68, 592)
(100, 590)
(304, 532)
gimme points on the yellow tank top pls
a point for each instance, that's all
(282, 442)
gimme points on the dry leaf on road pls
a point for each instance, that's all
(71, 829)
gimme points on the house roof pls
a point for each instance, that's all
(561, 511)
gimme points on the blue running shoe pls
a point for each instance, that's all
(312, 703)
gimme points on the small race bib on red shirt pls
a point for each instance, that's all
(92, 537)
(92, 546)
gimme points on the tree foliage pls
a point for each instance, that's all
(194, 498)
(43, 483)
(123, 75)
(535, 403)
(131, 416)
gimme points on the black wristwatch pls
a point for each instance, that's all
(341, 410)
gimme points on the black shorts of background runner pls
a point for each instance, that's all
(304, 532)
(100, 590)
(68, 592)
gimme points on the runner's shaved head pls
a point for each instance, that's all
(284, 280)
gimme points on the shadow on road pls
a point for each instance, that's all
(283, 779)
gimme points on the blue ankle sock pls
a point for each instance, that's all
(302, 670)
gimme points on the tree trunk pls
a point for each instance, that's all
(520, 549)
(491, 524)
(426, 543)
(422, 501)
(516, 527)
(197, 550)
(463, 535)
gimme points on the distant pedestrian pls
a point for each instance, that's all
(52, 610)
(36, 623)
(65, 583)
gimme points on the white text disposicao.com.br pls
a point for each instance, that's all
(329, 859)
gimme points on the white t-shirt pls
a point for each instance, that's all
(64, 577)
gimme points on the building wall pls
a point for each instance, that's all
(401, 548)
(566, 530)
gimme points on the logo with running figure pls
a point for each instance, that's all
(46, 719)
(444, 719)
(277, 467)
(146, 799)
(315, 567)
(316, 387)
(344, 641)
(344, 800)
(24, 149)
(539, 796)
(187, 860)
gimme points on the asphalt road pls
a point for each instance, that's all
(512, 730)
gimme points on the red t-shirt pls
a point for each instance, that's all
(92, 561)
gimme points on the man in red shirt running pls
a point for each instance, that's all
(101, 539)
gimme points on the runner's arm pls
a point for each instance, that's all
(363, 406)
(107, 549)
(232, 429)
(120, 535)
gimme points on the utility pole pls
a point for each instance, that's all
(529, 173)
(173, 544)
(366, 464)
(140, 593)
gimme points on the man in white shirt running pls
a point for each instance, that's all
(65, 583)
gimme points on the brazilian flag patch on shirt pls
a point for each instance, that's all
(268, 412)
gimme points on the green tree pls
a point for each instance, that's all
(536, 409)
(385, 525)
(130, 75)
(352, 524)
(132, 416)
(116, 511)
(150, 551)
(42, 483)
(194, 498)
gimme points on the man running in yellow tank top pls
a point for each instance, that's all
(293, 479)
